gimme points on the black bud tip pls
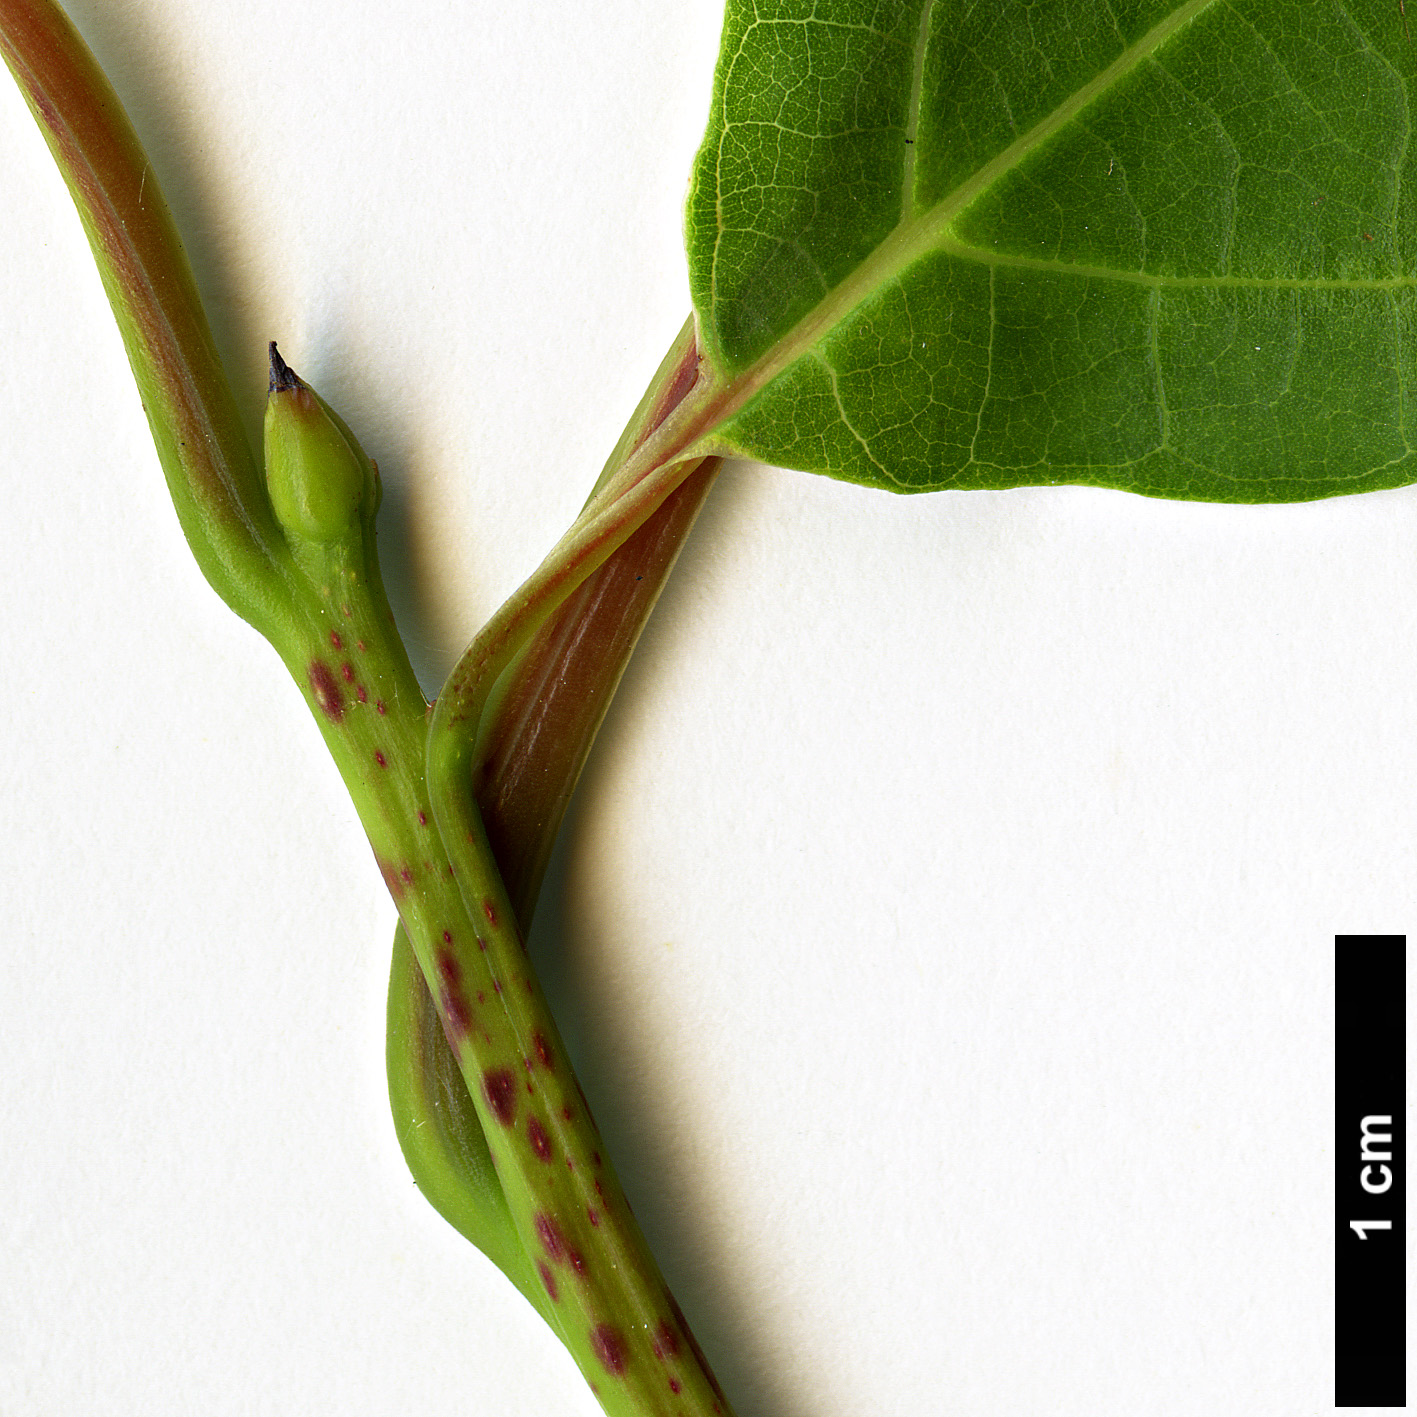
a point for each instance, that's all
(284, 379)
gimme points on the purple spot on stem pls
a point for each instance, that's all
(543, 1051)
(347, 671)
(380, 759)
(391, 878)
(557, 1246)
(325, 690)
(694, 1348)
(552, 1241)
(610, 1349)
(455, 1015)
(335, 639)
(666, 1341)
(548, 1279)
(499, 1086)
(540, 1142)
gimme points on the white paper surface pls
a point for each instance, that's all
(944, 928)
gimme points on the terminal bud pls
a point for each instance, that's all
(316, 477)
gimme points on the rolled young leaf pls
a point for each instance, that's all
(549, 709)
(215, 482)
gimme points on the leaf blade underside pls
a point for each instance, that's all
(1164, 248)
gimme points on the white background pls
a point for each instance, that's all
(945, 926)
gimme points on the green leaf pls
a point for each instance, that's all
(1166, 248)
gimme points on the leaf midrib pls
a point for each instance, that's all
(952, 246)
(931, 232)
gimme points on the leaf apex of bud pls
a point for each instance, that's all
(284, 379)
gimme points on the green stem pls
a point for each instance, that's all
(313, 588)
(549, 706)
(602, 1292)
(610, 1303)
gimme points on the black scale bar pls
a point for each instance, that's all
(1370, 1170)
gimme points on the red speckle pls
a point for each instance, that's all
(481, 943)
(325, 690)
(362, 694)
(540, 1142)
(335, 639)
(347, 670)
(496, 986)
(455, 1015)
(499, 1086)
(556, 1245)
(348, 613)
(380, 759)
(406, 875)
(552, 1241)
(449, 970)
(447, 937)
(666, 1341)
(423, 819)
(567, 1113)
(379, 707)
(490, 911)
(610, 1349)
(391, 879)
(548, 1279)
(695, 1349)
(543, 1051)
(593, 1215)
(675, 1386)
(481, 997)
(360, 646)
